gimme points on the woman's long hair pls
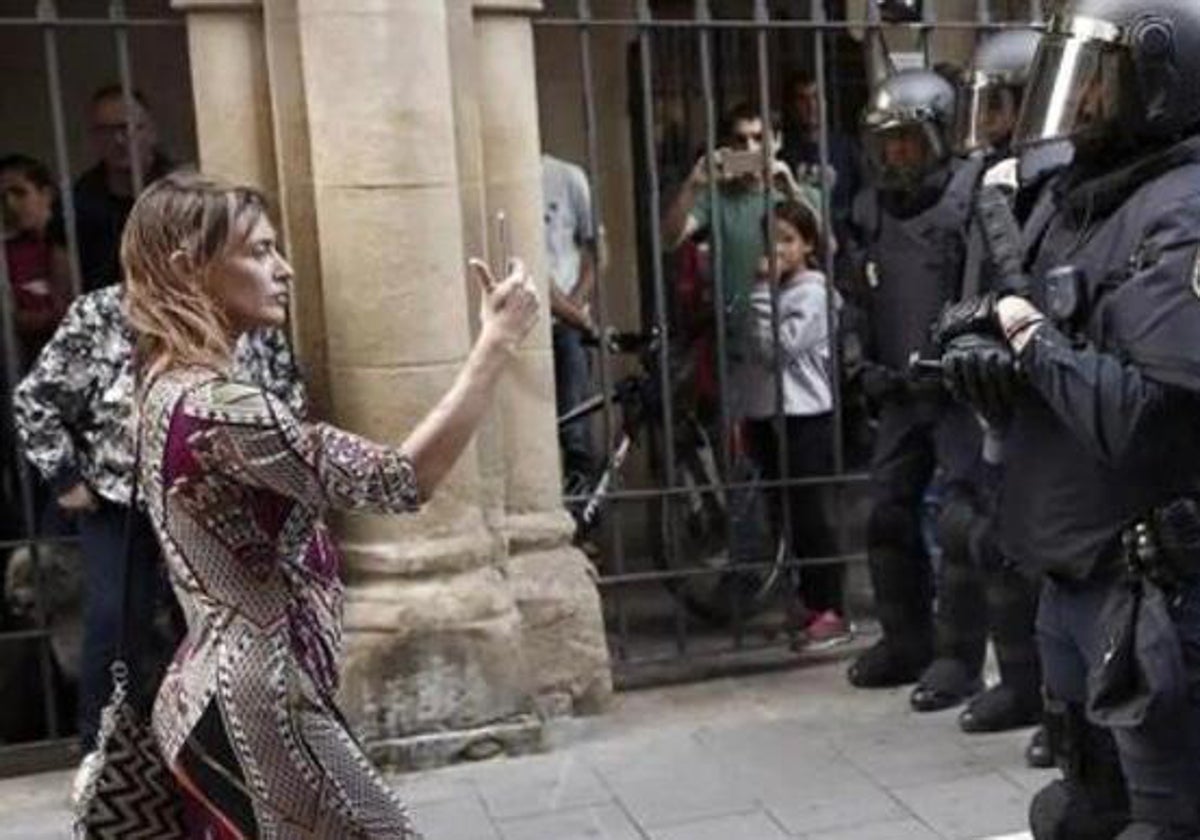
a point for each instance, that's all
(178, 228)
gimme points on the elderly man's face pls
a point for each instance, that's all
(806, 105)
(110, 129)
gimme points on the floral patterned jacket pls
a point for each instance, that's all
(72, 411)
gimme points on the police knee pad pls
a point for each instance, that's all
(891, 524)
(957, 526)
(1061, 811)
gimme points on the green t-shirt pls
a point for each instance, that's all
(740, 217)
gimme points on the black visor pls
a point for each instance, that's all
(1080, 89)
(987, 113)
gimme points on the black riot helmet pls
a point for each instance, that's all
(907, 126)
(993, 88)
(1113, 72)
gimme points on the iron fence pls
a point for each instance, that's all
(36, 724)
(685, 62)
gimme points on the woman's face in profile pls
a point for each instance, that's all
(252, 280)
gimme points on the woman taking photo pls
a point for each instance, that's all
(237, 489)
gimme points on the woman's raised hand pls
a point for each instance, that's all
(508, 308)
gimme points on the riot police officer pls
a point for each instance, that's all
(993, 90)
(912, 225)
(1103, 364)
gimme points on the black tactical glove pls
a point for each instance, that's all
(981, 371)
(879, 382)
(1176, 528)
(973, 315)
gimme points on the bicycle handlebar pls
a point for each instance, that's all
(618, 341)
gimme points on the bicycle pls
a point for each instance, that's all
(706, 516)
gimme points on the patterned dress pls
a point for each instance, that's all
(236, 488)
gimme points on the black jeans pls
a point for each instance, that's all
(809, 454)
(572, 375)
(102, 538)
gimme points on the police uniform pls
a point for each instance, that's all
(914, 236)
(1102, 435)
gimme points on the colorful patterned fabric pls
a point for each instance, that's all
(72, 410)
(236, 488)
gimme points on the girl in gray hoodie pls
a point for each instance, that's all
(799, 354)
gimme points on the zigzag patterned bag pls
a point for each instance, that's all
(129, 793)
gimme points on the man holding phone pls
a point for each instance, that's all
(738, 211)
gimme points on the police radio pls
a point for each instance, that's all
(1064, 290)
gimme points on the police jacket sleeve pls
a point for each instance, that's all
(1110, 405)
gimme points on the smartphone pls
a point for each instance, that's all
(736, 164)
(500, 269)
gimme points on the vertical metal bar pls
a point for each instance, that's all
(928, 23)
(716, 234)
(983, 15)
(116, 12)
(47, 13)
(763, 17)
(660, 297)
(1036, 13)
(616, 534)
(827, 234)
(12, 375)
(716, 237)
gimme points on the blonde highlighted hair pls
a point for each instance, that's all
(178, 229)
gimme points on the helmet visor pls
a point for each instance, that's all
(1079, 90)
(987, 114)
(902, 153)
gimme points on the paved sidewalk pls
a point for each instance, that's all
(794, 754)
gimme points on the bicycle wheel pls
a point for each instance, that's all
(710, 531)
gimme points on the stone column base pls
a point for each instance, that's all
(562, 627)
(436, 749)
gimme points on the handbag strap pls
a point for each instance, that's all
(120, 665)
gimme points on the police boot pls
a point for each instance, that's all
(999, 709)
(1038, 754)
(945, 683)
(884, 665)
(1146, 831)
(1061, 811)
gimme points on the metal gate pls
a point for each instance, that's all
(677, 606)
(56, 56)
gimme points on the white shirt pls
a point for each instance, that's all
(567, 218)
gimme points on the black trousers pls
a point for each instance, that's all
(1161, 758)
(102, 538)
(918, 434)
(809, 454)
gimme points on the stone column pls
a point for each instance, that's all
(564, 640)
(361, 96)
(230, 89)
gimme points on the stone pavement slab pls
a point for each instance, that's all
(791, 755)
